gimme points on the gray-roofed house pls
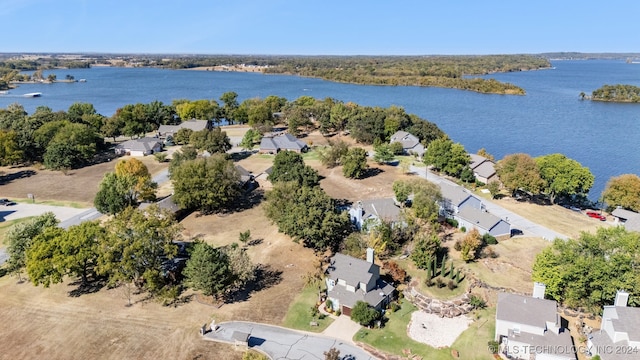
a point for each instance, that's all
(165, 203)
(350, 280)
(483, 169)
(139, 147)
(455, 197)
(410, 143)
(629, 219)
(484, 222)
(619, 334)
(193, 124)
(367, 213)
(531, 328)
(271, 144)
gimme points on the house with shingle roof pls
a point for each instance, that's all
(529, 327)
(193, 124)
(484, 222)
(629, 219)
(367, 213)
(350, 280)
(619, 334)
(455, 197)
(410, 143)
(483, 169)
(272, 144)
(139, 147)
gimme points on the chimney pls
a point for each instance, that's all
(370, 255)
(622, 297)
(538, 290)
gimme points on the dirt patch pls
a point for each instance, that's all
(78, 185)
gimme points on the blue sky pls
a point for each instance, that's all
(313, 27)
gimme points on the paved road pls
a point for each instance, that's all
(22, 210)
(281, 343)
(92, 214)
(518, 222)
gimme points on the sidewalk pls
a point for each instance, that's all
(527, 226)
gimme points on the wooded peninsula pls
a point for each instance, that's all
(617, 93)
(458, 72)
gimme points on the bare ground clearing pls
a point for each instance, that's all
(78, 185)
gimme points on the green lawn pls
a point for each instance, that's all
(72, 204)
(393, 338)
(299, 314)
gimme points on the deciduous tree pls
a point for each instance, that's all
(289, 166)
(208, 270)
(624, 191)
(563, 176)
(520, 171)
(208, 184)
(364, 314)
(19, 237)
(354, 163)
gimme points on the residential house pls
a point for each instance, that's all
(628, 218)
(619, 334)
(484, 222)
(247, 180)
(139, 147)
(196, 125)
(483, 169)
(350, 280)
(165, 203)
(461, 205)
(271, 144)
(531, 328)
(366, 213)
(455, 198)
(410, 143)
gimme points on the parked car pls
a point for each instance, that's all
(595, 215)
(6, 202)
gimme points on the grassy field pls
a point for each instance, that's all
(299, 314)
(393, 337)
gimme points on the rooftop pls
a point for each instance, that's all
(526, 310)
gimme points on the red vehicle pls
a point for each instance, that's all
(596, 215)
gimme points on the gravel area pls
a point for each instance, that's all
(435, 331)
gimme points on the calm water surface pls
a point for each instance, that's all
(550, 119)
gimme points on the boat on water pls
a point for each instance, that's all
(4, 92)
(35, 94)
(82, 80)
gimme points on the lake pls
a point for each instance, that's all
(550, 119)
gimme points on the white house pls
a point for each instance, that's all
(619, 334)
(350, 280)
(366, 213)
(139, 147)
(531, 328)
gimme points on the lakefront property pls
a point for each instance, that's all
(199, 235)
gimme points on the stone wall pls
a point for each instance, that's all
(448, 308)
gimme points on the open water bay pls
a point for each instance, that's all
(551, 118)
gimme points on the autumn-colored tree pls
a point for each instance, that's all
(624, 191)
(398, 274)
(470, 245)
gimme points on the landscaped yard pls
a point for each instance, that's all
(393, 338)
(299, 314)
(442, 293)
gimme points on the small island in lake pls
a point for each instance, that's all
(616, 93)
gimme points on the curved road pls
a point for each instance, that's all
(281, 343)
(517, 222)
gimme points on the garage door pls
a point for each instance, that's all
(346, 310)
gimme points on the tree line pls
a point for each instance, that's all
(617, 93)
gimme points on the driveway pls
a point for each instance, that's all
(342, 328)
(527, 226)
(281, 343)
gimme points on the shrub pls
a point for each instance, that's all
(452, 222)
(314, 311)
(440, 283)
(477, 302)
(394, 306)
(338, 312)
(458, 245)
(161, 157)
(451, 285)
(463, 229)
(429, 282)
(493, 346)
(489, 239)
(322, 316)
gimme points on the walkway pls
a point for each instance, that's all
(281, 343)
(517, 222)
